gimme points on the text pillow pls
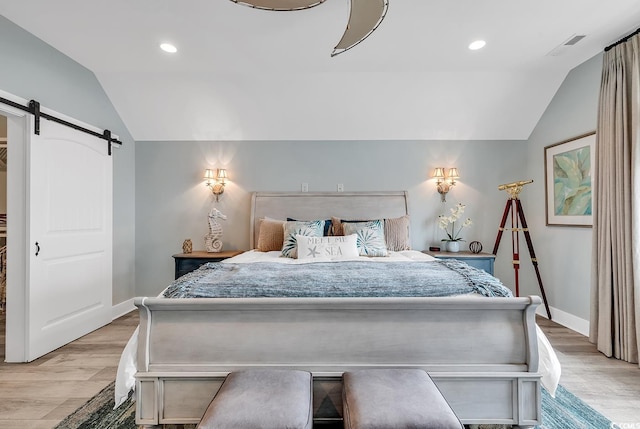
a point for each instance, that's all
(333, 248)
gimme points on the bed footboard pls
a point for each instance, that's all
(481, 352)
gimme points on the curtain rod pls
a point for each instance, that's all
(624, 39)
(34, 109)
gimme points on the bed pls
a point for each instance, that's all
(484, 353)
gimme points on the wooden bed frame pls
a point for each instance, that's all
(481, 352)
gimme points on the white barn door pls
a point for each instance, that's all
(69, 237)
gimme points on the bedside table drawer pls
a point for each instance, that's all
(187, 262)
(483, 261)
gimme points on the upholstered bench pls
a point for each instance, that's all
(262, 399)
(394, 399)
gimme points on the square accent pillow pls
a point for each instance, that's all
(323, 248)
(370, 237)
(270, 235)
(336, 225)
(327, 225)
(396, 233)
(314, 228)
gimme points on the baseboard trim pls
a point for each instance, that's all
(122, 308)
(565, 319)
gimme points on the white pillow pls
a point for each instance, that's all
(331, 248)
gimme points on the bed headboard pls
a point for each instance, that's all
(323, 205)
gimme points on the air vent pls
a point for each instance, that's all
(574, 40)
(564, 46)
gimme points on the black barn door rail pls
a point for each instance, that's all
(34, 109)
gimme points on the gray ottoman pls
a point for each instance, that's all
(394, 399)
(262, 399)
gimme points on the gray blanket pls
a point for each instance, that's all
(343, 279)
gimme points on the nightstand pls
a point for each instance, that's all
(484, 261)
(187, 262)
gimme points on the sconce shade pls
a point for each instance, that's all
(208, 174)
(221, 175)
(453, 173)
(438, 173)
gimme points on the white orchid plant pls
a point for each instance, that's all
(448, 223)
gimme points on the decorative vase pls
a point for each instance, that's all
(475, 247)
(453, 246)
(187, 246)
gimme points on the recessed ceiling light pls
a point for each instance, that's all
(168, 47)
(478, 44)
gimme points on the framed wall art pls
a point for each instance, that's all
(568, 170)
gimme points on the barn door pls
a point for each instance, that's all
(68, 285)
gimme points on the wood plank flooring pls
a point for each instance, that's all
(610, 386)
(39, 394)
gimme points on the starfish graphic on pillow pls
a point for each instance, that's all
(313, 252)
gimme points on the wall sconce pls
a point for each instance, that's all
(444, 183)
(216, 180)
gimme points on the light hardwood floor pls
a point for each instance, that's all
(37, 395)
(41, 393)
(610, 386)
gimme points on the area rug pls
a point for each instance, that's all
(565, 411)
(568, 411)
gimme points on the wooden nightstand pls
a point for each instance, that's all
(484, 261)
(187, 262)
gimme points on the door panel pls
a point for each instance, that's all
(70, 237)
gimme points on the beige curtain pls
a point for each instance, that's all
(615, 289)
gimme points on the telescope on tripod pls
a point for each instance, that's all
(514, 207)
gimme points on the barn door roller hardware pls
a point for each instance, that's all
(34, 108)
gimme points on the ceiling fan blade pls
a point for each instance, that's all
(280, 4)
(365, 16)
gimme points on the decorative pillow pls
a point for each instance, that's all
(327, 225)
(370, 237)
(336, 225)
(396, 233)
(270, 235)
(313, 228)
(333, 248)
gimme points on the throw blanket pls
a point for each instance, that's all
(336, 279)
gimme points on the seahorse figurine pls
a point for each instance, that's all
(213, 240)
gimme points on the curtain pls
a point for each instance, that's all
(615, 288)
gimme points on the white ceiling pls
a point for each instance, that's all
(247, 74)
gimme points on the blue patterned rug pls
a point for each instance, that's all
(565, 411)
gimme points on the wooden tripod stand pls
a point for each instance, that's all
(514, 207)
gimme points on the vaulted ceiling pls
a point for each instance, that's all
(248, 74)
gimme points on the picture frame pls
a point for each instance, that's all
(569, 177)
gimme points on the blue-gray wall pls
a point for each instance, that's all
(173, 202)
(564, 253)
(31, 69)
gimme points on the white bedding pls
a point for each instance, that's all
(549, 366)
